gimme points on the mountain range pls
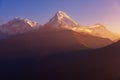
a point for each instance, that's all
(61, 30)
(61, 49)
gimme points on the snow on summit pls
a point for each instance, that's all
(61, 20)
(18, 26)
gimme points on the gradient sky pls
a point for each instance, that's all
(85, 12)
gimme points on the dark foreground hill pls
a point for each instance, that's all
(21, 58)
(99, 64)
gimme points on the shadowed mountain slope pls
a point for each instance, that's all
(99, 64)
(46, 42)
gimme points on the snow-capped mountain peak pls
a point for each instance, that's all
(25, 20)
(18, 26)
(60, 15)
(61, 20)
(31, 23)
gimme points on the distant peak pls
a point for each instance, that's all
(18, 21)
(61, 19)
(99, 24)
(61, 14)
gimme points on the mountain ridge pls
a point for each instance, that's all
(62, 22)
(18, 26)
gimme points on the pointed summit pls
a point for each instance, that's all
(61, 20)
(60, 15)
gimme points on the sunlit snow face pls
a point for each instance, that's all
(62, 14)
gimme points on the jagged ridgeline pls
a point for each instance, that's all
(60, 32)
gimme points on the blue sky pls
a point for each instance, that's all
(85, 12)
